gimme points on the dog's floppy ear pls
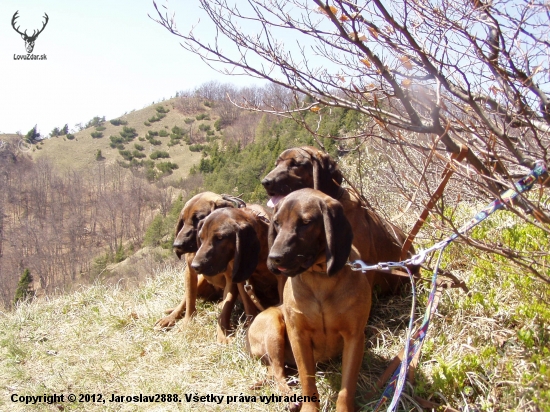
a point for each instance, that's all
(326, 175)
(339, 236)
(199, 227)
(247, 253)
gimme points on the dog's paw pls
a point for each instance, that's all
(167, 322)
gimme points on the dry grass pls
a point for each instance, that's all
(101, 340)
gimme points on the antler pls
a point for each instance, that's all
(35, 33)
(44, 26)
(15, 16)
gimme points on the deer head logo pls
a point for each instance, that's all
(29, 40)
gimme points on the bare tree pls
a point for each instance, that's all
(428, 78)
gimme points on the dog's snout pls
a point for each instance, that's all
(196, 266)
(267, 182)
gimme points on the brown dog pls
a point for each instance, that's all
(185, 242)
(234, 242)
(325, 307)
(375, 240)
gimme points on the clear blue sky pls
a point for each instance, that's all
(104, 58)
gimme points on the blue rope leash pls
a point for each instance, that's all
(397, 381)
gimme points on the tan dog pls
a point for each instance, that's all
(325, 307)
(234, 242)
(375, 240)
(185, 242)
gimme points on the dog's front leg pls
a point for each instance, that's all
(354, 345)
(224, 321)
(301, 343)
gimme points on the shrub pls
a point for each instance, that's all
(147, 124)
(96, 121)
(167, 167)
(163, 133)
(218, 125)
(204, 127)
(128, 133)
(197, 147)
(138, 155)
(139, 147)
(189, 120)
(202, 116)
(159, 154)
(178, 130)
(98, 155)
(97, 135)
(126, 154)
(154, 142)
(153, 133)
(118, 122)
(23, 287)
(70, 136)
(100, 128)
(162, 109)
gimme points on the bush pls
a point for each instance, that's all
(100, 128)
(189, 120)
(126, 154)
(197, 147)
(163, 133)
(162, 109)
(147, 124)
(152, 133)
(23, 287)
(139, 147)
(159, 154)
(138, 155)
(96, 121)
(97, 135)
(128, 133)
(118, 122)
(70, 136)
(218, 125)
(167, 167)
(202, 116)
(204, 127)
(154, 142)
(98, 155)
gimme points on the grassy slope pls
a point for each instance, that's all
(79, 154)
(101, 340)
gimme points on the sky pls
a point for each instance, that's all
(103, 58)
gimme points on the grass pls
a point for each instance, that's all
(101, 340)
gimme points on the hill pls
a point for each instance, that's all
(80, 152)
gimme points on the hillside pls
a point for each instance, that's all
(80, 153)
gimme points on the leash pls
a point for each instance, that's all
(249, 289)
(397, 381)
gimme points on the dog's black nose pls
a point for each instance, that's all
(267, 182)
(275, 258)
(196, 266)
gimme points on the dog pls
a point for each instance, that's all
(234, 242)
(325, 306)
(185, 242)
(375, 239)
